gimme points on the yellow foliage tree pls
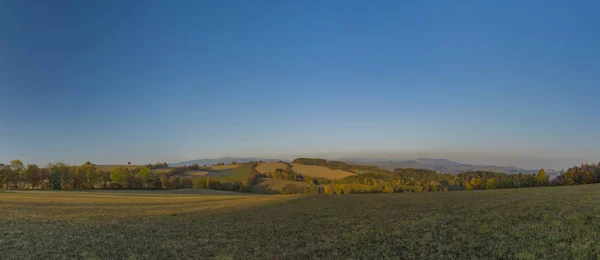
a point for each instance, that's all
(490, 184)
(587, 176)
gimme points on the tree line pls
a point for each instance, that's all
(376, 180)
(583, 174)
(59, 176)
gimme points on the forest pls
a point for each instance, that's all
(368, 179)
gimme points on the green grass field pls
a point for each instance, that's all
(231, 174)
(274, 186)
(320, 171)
(543, 223)
(162, 170)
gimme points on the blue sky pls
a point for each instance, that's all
(142, 81)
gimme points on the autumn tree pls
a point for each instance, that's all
(475, 183)
(490, 183)
(17, 169)
(147, 177)
(120, 175)
(164, 181)
(187, 183)
(33, 175)
(174, 182)
(4, 176)
(587, 175)
(541, 179)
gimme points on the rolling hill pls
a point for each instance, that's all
(270, 167)
(320, 171)
(444, 166)
(226, 160)
(108, 168)
(308, 170)
(274, 186)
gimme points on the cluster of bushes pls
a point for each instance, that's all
(145, 178)
(285, 175)
(207, 182)
(157, 165)
(182, 169)
(255, 162)
(358, 188)
(311, 161)
(584, 174)
(299, 189)
(294, 176)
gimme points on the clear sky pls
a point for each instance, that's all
(145, 81)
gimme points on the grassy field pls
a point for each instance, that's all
(319, 171)
(270, 167)
(543, 223)
(309, 170)
(194, 174)
(224, 167)
(273, 186)
(162, 170)
(238, 173)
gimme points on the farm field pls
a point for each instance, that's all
(308, 170)
(162, 170)
(270, 167)
(274, 186)
(224, 167)
(231, 173)
(320, 171)
(195, 174)
(550, 222)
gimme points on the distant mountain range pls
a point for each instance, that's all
(443, 166)
(226, 160)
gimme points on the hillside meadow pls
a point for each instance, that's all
(274, 186)
(231, 173)
(319, 171)
(269, 167)
(526, 223)
(308, 170)
(224, 167)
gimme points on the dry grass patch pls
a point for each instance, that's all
(162, 170)
(271, 185)
(196, 173)
(320, 171)
(270, 167)
(225, 167)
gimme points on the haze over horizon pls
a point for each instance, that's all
(511, 83)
